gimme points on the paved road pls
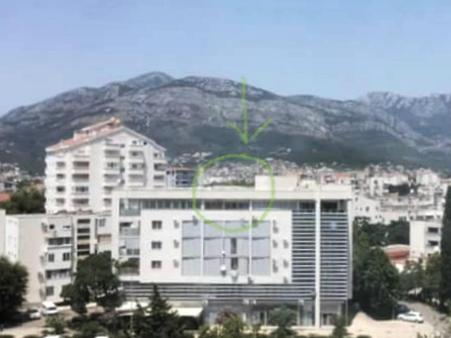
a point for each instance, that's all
(439, 321)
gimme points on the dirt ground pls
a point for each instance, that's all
(361, 325)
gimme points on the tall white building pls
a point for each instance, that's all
(49, 247)
(299, 254)
(82, 171)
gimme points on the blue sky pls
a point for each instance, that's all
(339, 49)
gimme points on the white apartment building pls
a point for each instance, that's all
(49, 246)
(82, 171)
(299, 254)
(425, 235)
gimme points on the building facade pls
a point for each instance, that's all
(82, 171)
(236, 255)
(49, 247)
(425, 236)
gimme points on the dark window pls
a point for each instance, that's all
(156, 245)
(157, 225)
(156, 264)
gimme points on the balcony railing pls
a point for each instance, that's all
(129, 232)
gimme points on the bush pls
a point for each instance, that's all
(31, 336)
(6, 336)
(363, 336)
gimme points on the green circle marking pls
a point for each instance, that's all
(243, 156)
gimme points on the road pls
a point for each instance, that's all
(439, 321)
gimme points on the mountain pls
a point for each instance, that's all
(193, 114)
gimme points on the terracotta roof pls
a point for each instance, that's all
(5, 197)
(95, 131)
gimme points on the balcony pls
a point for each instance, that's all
(129, 232)
(78, 178)
(130, 212)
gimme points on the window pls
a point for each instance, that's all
(156, 264)
(51, 258)
(433, 230)
(157, 225)
(66, 256)
(233, 246)
(234, 264)
(49, 291)
(156, 245)
(59, 241)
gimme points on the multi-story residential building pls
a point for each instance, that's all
(425, 236)
(298, 254)
(49, 246)
(82, 171)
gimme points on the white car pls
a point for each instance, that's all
(49, 309)
(411, 316)
(34, 313)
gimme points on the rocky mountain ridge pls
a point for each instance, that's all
(193, 114)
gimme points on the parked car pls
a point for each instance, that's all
(33, 313)
(401, 308)
(49, 309)
(411, 316)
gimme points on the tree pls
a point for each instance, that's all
(398, 232)
(340, 330)
(158, 320)
(283, 318)
(432, 279)
(378, 284)
(13, 286)
(26, 200)
(95, 281)
(90, 329)
(412, 279)
(56, 323)
(376, 281)
(445, 284)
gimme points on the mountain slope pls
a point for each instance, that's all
(193, 114)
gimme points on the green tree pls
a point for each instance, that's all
(56, 323)
(378, 288)
(284, 318)
(13, 286)
(340, 330)
(26, 200)
(90, 329)
(95, 281)
(376, 281)
(445, 284)
(398, 232)
(412, 279)
(158, 320)
(432, 279)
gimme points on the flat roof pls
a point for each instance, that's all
(342, 192)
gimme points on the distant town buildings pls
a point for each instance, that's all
(109, 188)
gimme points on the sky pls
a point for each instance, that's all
(339, 49)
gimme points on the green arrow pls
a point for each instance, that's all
(243, 133)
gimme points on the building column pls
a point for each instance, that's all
(317, 295)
